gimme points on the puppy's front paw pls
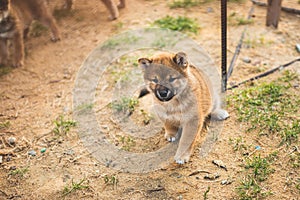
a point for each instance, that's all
(182, 159)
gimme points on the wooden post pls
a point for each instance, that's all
(273, 13)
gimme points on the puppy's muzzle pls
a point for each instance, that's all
(163, 93)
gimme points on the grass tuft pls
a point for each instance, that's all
(4, 125)
(19, 172)
(62, 126)
(75, 186)
(125, 104)
(184, 3)
(111, 180)
(182, 24)
(37, 29)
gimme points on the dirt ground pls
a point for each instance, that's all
(35, 95)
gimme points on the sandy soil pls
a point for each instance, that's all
(35, 95)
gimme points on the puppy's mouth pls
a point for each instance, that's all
(163, 93)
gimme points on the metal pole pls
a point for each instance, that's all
(224, 43)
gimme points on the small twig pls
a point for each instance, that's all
(239, 46)
(198, 172)
(4, 193)
(281, 67)
(159, 188)
(8, 152)
(41, 136)
(289, 10)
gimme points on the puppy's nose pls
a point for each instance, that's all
(164, 93)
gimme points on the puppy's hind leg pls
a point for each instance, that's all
(48, 20)
(18, 50)
(121, 4)
(3, 52)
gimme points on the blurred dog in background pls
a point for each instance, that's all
(16, 17)
(110, 5)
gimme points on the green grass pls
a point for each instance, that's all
(5, 70)
(119, 40)
(257, 170)
(82, 184)
(260, 167)
(4, 125)
(63, 126)
(294, 159)
(244, 21)
(270, 108)
(180, 23)
(59, 13)
(37, 29)
(125, 104)
(234, 19)
(184, 3)
(111, 180)
(205, 193)
(127, 142)
(260, 41)
(250, 189)
(19, 172)
(238, 144)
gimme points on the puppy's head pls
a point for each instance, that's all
(165, 74)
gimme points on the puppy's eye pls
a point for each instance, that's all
(154, 80)
(172, 79)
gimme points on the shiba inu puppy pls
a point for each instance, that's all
(15, 20)
(109, 4)
(182, 98)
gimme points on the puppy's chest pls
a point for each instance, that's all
(176, 112)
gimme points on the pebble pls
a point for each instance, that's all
(212, 176)
(209, 10)
(226, 182)
(11, 141)
(1, 159)
(246, 60)
(257, 148)
(298, 47)
(32, 153)
(43, 150)
(220, 164)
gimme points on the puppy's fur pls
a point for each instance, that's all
(182, 98)
(15, 20)
(109, 4)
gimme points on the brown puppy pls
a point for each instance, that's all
(110, 5)
(182, 98)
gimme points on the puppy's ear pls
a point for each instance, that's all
(144, 62)
(181, 60)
